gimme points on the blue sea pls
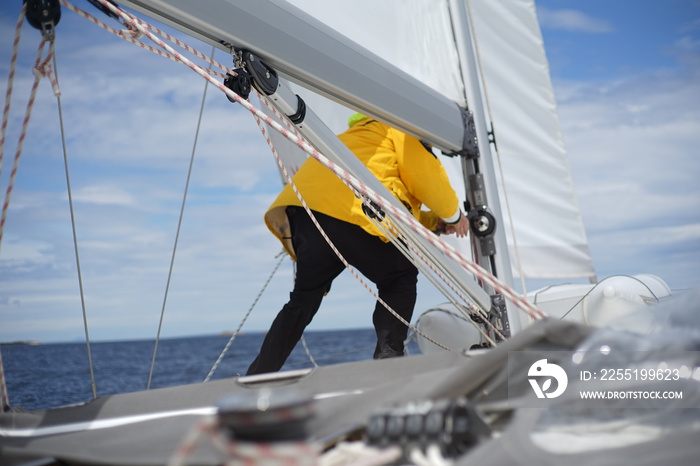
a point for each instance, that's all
(57, 374)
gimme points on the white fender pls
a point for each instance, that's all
(447, 325)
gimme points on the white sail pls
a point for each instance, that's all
(417, 36)
(546, 221)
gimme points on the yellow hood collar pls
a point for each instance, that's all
(355, 119)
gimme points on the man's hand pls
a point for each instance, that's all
(461, 228)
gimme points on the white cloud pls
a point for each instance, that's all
(572, 20)
(632, 146)
(687, 44)
(104, 195)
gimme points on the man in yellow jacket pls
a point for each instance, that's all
(411, 173)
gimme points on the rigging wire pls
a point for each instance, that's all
(281, 256)
(75, 235)
(179, 226)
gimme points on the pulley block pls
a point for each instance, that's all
(43, 14)
(374, 212)
(264, 78)
(240, 83)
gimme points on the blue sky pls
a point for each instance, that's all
(626, 77)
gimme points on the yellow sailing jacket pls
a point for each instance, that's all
(409, 171)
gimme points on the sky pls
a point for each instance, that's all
(626, 75)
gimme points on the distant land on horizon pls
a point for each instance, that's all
(20, 342)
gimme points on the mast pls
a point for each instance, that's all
(480, 173)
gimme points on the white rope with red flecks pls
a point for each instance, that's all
(130, 34)
(292, 453)
(130, 22)
(346, 177)
(282, 453)
(401, 243)
(287, 453)
(42, 68)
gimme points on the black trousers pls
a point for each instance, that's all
(317, 266)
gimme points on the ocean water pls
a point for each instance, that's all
(52, 375)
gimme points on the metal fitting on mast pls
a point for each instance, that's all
(470, 145)
(252, 71)
(239, 80)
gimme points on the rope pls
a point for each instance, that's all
(131, 35)
(4, 397)
(281, 255)
(41, 69)
(237, 452)
(188, 445)
(288, 177)
(10, 82)
(358, 453)
(580, 301)
(391, 232)
(289, 453)
(179, 227)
